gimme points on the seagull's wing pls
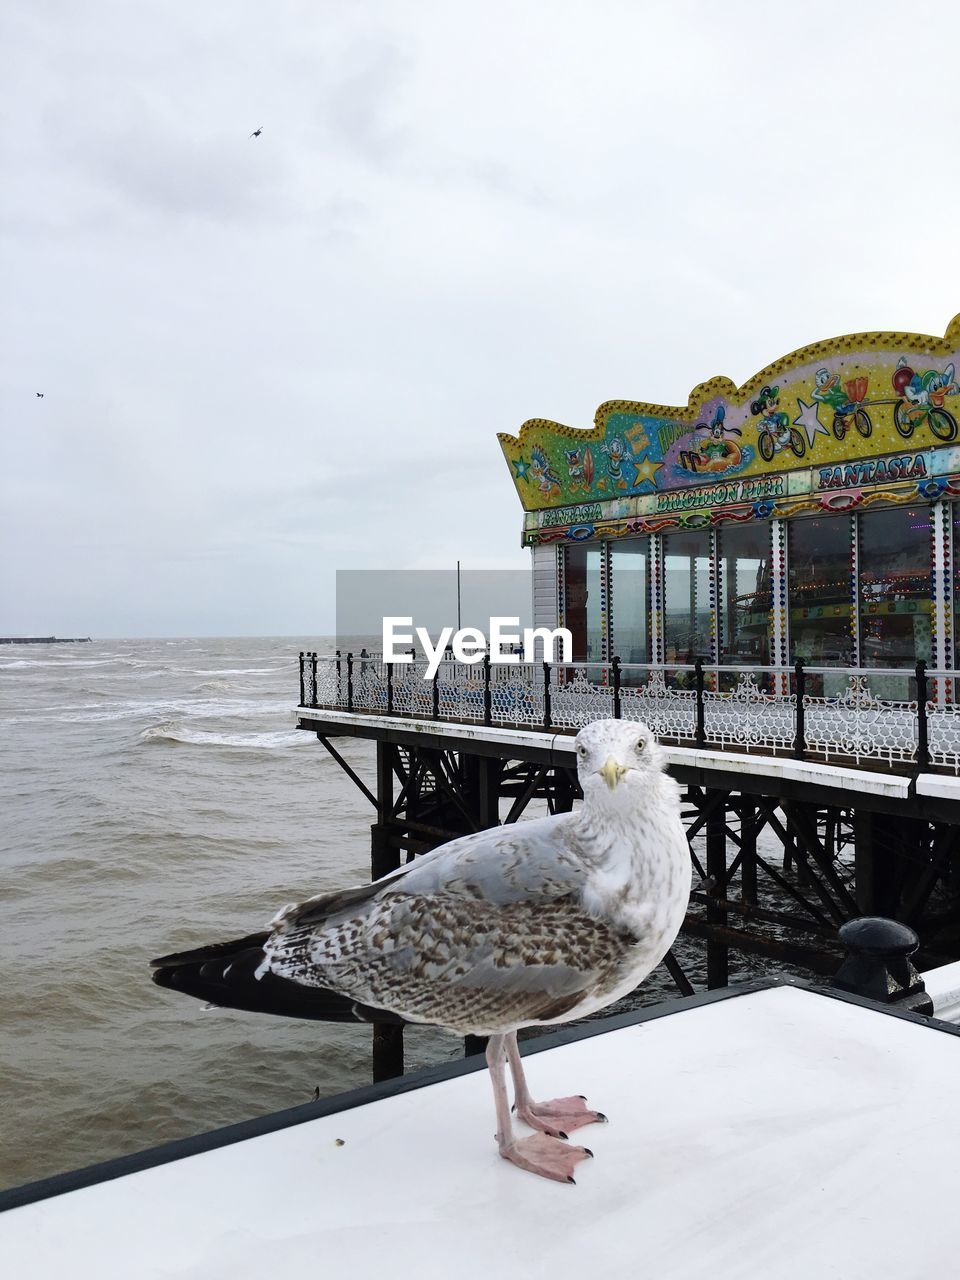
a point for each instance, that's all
(486, 931)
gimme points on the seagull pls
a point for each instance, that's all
(530, 924)
(257, 132)
(39, 395)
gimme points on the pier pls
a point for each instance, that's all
(769, 578)
(860, 793)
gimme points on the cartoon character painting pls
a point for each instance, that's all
(620, 466)
(921, 400)
(847, 402)
(547, 481)
(774, 430)
(579, 469)
(714, 452)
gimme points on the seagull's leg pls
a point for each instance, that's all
(557, 1118)
(539, 1153)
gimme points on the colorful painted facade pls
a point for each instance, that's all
(853, 421)
(813, 513)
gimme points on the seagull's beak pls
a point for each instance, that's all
(612, 772)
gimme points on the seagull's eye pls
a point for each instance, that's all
(582, 750)
(640, 744)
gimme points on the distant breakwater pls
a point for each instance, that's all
(44, 639)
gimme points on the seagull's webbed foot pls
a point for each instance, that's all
(556, 1118)
(549, 1157)
(559, 1117)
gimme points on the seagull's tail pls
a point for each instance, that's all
(226, 974)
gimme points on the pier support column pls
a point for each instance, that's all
(875, 863)
(385, 857)
(564, 792)
(748, 850)
(718, 968)
(482, 786)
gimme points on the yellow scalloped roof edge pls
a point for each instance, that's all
(723, 386)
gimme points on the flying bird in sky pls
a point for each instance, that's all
(257, 132)
(39, 395)
(526, 925)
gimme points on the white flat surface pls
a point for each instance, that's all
(780, 1134)
(939, 785)
(943, 988)
(862, 781)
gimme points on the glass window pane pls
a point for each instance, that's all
(819, 591)
(895, 595)
(629, 567)
(582, 601)
(746, 594)
(686, 591)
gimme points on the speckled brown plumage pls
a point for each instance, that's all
(458, 963)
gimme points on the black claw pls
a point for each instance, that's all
(571, 1179)
(589, 1152)
(561, 1134)
(602, 1118)
(582, 1097)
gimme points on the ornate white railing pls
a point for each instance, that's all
(891, 718)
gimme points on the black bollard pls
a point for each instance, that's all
(878, 965)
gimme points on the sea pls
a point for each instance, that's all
(155, 795)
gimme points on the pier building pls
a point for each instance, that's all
(810, 514)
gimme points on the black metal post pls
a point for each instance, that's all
(303, 695)
(436, 694)
(487, 702)
(314, 700)
(878, 964)
(800, 741)
(615, 663)
(923, 741)
(701, 735)
(389, 666)
(546, 695)
(349, 681)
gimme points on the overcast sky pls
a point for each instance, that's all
(265, 359)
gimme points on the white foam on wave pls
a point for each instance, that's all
(66, 663)
(175, 731)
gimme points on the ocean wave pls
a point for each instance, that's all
(67, 663)
(178, 733)
(214, 672)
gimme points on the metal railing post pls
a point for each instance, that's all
(314, 699)
(546, 695)
(616, 687)
(303, 691)
(389, 666)
(701, 734)
(349, 681)
(923, 728)
(487, 701)
(436, 694)
(800, 740)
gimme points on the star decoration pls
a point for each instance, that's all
(808, 418)
(522, 468)
(646, 470)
